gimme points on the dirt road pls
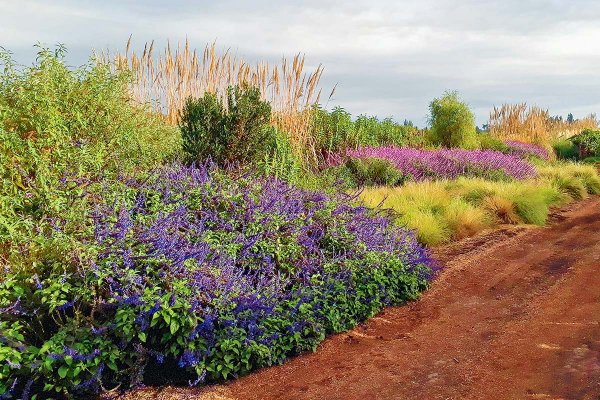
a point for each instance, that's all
(515, 315)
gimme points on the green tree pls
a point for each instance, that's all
(234, 132)
(247, 119)
(570, 118)
(452, 122)
(203, 128)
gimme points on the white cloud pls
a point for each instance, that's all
(389, 57)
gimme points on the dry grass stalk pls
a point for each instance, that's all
(533, 124)
(167, 79)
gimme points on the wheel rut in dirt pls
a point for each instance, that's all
(513, 317)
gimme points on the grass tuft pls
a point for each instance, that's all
(466, 220)
(532, 206)
(574, 180)
(502, 209)
(441, 211)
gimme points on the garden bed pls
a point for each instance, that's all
(196, 277)
(419, 165)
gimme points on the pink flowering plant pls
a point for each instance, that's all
(419, 165)
(525, 150)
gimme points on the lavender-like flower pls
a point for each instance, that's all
(189, 260)
(445, 163)
(524, 150)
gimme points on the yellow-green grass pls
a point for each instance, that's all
(441, 211)
(576, 180)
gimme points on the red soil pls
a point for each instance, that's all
(515, 315)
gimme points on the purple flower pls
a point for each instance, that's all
(159, 357)
(9, 392)
(26, 390)
(200, 379)
(99, 330)
(14, 309)
(65, 306)
(445, 163)
(36, 280)
(92, 383)
(523, 150)
(236, 255)
(188, 359)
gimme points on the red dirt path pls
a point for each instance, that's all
(515, 315)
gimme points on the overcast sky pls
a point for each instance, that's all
(389, 58)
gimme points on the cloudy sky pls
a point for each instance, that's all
(389, 58)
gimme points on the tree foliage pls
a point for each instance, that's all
(234, 131)
(452, 122)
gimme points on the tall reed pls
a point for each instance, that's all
(167, 78)
(533, 124)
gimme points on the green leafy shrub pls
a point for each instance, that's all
(279, 159)
(192, 275)
(329, 180)
(591, 160)
(452, 122)
(77, 119)
(588, 143)
(373, 132)
(373, 172)
(335, 131)
(489, 142)
(565, 150)
(203, 128)
(234, 132)
(60, 127)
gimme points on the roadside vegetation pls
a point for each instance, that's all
(444, 210)
(177, 219)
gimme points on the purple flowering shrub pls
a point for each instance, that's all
(195, 276)
(420, 165)
(526, 150)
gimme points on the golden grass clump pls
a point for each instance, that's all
(574, 180)
(166, 79)
(534, 125)
(502, 208)
(440, 211)
(465, 219)
(418, 206)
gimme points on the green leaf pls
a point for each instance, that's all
(62, 371)
(174, 326)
